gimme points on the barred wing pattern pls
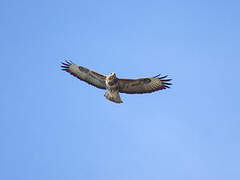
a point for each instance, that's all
(143, 85)
(84, 74)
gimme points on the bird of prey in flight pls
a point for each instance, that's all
(115, 85)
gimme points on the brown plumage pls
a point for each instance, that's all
(114, 85)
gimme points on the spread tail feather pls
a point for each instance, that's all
(114, 97)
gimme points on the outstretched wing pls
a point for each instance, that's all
(143, 85)
(84, 74)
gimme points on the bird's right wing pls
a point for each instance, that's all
(143, 85)
(84, 74)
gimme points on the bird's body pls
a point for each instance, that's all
(114, 85)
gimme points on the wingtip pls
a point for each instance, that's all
(165, 82)
(163, 77)
(66, 64)
(157, 76)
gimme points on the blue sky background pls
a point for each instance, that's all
(54, 127)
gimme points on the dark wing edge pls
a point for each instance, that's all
(66, 65)
(144, 85)
(165, 82)
(94, 78)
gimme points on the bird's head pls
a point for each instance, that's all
(112, 76)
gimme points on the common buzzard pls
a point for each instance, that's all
(114, 85)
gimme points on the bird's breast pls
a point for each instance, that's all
(112, 82)
(112, 85)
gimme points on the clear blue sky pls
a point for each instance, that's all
(55, 127)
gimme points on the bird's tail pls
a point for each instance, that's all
(114, 97)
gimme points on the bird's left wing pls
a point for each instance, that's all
(143, 85)
(84, 74)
